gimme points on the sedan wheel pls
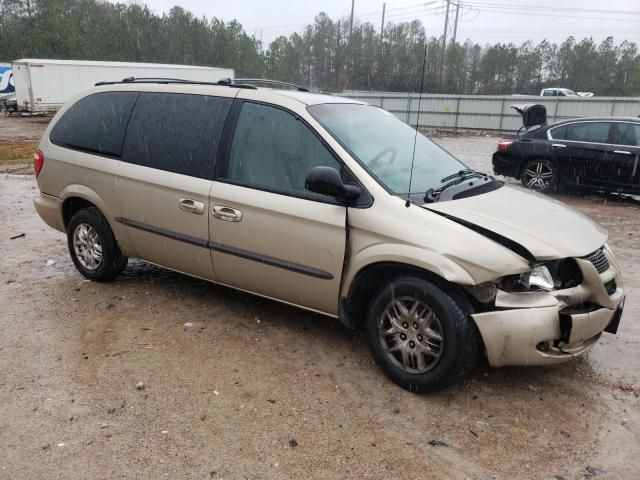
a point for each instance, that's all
(539, 175)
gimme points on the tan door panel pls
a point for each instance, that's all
(276, 245)
(166, 217)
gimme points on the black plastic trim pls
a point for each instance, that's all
(272, 261)
(219, 247)
(163, 232)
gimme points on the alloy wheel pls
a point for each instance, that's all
(411, 335)
(87, 246)
(538, 176)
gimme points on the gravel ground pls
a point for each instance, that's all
(256, 389)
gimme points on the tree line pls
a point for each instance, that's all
(322, 56)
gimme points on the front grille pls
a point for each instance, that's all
(599, 260)
(611, 287)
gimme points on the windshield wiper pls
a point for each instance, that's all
(460, 174)
(432, 194)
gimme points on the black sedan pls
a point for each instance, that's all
(600, 153)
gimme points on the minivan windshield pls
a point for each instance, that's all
(383, 145)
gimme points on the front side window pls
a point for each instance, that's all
(176, 132)
(95, 123)
(384, 146)
(274, 150)
(593, 132)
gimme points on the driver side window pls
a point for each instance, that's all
(275, 151)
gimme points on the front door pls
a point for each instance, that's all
(623, 155)
(269, 234)
(170, 145)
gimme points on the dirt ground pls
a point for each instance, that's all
(256, 389)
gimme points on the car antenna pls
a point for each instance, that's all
(415, 137)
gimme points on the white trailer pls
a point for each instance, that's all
(45, 85)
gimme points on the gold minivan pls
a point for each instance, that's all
(334, 206)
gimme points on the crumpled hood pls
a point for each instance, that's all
(547, 228)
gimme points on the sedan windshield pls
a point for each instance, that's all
(384, 146)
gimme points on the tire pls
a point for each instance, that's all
(540, 174)
(459, 348)
(88, 234)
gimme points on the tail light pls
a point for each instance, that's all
(504, 146)
(38, 161)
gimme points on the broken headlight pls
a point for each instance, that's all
(556, 275)
(538, 279)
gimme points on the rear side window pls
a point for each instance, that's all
(595, 132)
(176, 132)
(627, 134)
(95, 123)
(559, 133)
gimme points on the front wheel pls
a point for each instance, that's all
(93, 246)
(540, 175)
(422, 337)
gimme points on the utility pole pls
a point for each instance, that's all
(351, 21)
(384, 8)
(338, 66)
(444, 43)
(455, 25)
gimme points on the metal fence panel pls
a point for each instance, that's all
(490, 112)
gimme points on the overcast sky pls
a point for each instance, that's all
(480, 20)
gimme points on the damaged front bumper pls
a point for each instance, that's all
(543, 328)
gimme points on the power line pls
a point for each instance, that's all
(534, 13)
(552, 8)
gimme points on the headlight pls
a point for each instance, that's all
(555, 275)
(539, 277)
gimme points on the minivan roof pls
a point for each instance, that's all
(306, 98)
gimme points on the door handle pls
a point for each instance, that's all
(227, 214)
(191, 206)
(622, 152)
(558, 145)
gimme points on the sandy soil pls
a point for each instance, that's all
(255, 389)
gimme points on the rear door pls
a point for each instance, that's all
(623, 154)
(171, 143)
(269, 234)
(579, 148)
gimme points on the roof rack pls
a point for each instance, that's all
(226, 82)
(271, 82)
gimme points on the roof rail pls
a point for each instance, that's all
(224, 82)
(273, 82)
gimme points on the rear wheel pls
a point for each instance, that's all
(93, 247)
(540, 175)
(422, 337)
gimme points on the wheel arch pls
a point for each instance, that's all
(371, 278)
(75, 197)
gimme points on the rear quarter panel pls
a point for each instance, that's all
(69, 173)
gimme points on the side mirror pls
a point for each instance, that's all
(327, 181)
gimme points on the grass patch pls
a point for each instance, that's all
(15, 152)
